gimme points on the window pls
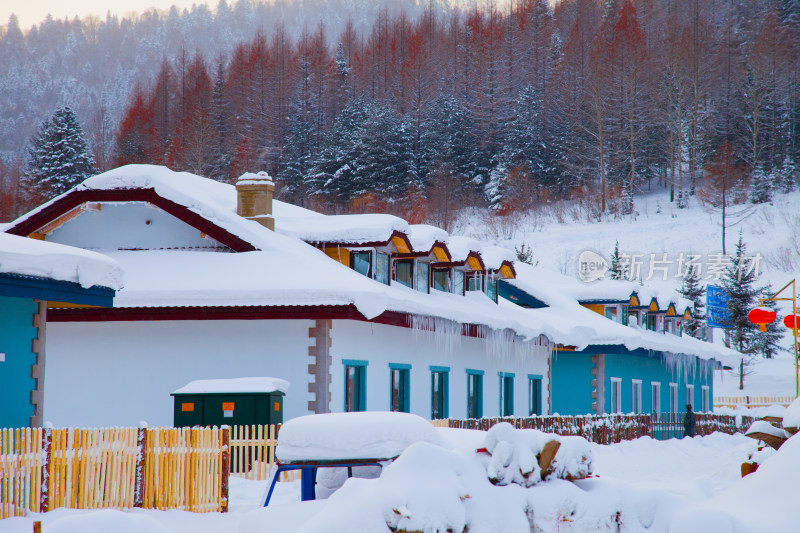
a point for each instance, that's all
(404, 271)
(611, 313)
(474, 281)
(636, 390)
(690, 395)
(401, 392)
(355, 385)
(633, 318)
(382, 267)
(651, 321)
(491, 288)
(704, 398)
(534, 395)
(506, 394)
(439, 392)
(441, 280)
(616, 399)
(655, 397)
(474, 393)
(361, 262)
(423, 271)
(458, 282)
(673, 397)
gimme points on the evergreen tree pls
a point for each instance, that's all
(738, 282)
(762, 186)
(59, 156)
(786, 175)
(693, 290)
(616, 270)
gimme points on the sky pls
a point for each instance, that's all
(31, 12)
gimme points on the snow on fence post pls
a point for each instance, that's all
(47, 441)
(226, 467)
(141, 466)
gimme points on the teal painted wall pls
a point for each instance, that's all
(650, 369)
(572, 390)
(572, 383)
(16, 335)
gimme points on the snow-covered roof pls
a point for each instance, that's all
(30, 257)
(350, 229)
(424, 236)
(585, 327)
(460, 247)
(234, 385)
(361, 435)
(494, 256)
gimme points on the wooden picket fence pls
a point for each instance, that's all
(752, 401)
(253, 452)
(611, 428)
(114, 468)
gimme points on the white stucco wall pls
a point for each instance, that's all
(380, 345)
(118, 373)
(130, 225)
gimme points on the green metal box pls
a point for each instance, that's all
(232, 402)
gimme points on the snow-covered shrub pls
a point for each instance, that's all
(520, 455)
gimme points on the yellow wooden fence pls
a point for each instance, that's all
(102, 468)
(253, 452)
(752, 401)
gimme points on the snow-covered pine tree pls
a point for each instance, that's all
(616, 269)
(767, 343)
(787, 175)
(693, 290)
(58, 156)
(761, 187)
(738, 282)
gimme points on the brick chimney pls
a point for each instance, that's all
(254, 198)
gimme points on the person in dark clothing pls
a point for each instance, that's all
(688, 422)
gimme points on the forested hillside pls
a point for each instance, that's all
(429, 109)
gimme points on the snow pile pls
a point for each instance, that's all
(762, 426)
(460, 247)
(791, 418)
(234, 385)
(762, 502)
(527, 456)
(30, 257)
(105, 521)
(362, 435)
(494, 256)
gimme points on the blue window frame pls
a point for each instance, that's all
(506, 394)
(404, 271)
(458, 282)
(474, 393)
(400, 391)
(440, 392)
(361, 262)
(474, 281)
(422, 282)
(355, 385)
(441, 279)
(534, 394)
(382, 267)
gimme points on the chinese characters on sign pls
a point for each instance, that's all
(647, 267)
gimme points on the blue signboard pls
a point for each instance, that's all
(716, 307)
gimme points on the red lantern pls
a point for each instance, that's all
(792, 322)
(761, 316)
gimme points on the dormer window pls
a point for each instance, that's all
(361, 262)
(423, 274)
(382, 267)
(404, 271)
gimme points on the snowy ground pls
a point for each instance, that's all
(676, 486)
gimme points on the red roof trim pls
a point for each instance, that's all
(288, 312)
(77, 197)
